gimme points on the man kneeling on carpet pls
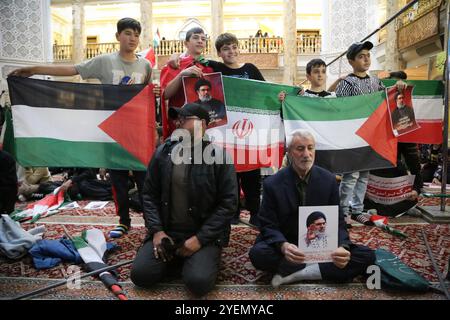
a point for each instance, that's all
(302, 184)
(189, 202)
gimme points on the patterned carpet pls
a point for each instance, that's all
(236, 266)
(237, 279)
(107, 211)
(432, 201)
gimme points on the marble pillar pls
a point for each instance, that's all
(290, 41)
(146, 23)
(79, 31)
(216, 23)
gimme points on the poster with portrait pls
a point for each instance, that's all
(401, 110)
(207, 91)
(318, 232)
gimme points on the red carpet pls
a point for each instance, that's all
(236, 266)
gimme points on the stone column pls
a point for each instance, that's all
(146, 23)
(325, 32)
(216, 23)
(290, 41)
(393, 60)
(79, 36)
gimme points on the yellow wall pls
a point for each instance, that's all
(242, 18)
(61, 25)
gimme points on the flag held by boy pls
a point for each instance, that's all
(344, 129)
(59, 124)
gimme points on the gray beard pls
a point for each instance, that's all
(320, 234)
(205, 99)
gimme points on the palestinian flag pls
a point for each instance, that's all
(149, 54)
(427, 101)
(60, 124)
(40, 209)
(92, 247)
(352, 133)
(254, 134)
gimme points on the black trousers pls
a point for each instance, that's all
(251, 185)
(119, 180)
(267, 258)
(410, 153)
(199, 271)
(428, 171)
(8, 197)
(391, 210)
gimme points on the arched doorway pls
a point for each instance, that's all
(189, 24)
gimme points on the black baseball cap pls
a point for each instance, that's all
(188, 110)
(356, 47)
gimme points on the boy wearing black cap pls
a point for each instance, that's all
(354, 184)
(359, 82)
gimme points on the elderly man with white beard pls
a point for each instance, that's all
(402, 116)
(302, 184)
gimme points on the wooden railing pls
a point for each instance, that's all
(418, 10)
(168, 47)
(309, 44)
(96, 49)
(62, 53)
(261, 45)
(305, 45)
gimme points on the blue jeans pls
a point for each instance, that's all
(353, 189)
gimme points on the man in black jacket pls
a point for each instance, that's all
(302, 184)
(188, 205)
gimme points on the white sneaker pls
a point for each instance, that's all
(276, 280)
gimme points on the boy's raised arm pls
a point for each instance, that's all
(45, 70)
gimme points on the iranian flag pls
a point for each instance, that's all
(254, 133)
(352, 133)
(60, 124)
(427, 101)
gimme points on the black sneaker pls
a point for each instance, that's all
(254, 220)
(363, 218)
(235, 220)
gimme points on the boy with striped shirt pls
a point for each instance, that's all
(354, 184)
